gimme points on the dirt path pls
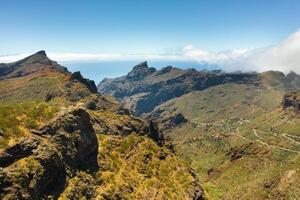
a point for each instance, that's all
(260, 139)
(237, 134)
(286, 136)
(290, 139)
(274, 146)
(255, 133)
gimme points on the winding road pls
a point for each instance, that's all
(260, 139)
(274, 146)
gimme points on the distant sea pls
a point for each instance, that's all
(111, 69)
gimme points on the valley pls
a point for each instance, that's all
(152, 134)
(239, 133)
(150, 100)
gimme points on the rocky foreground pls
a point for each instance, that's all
(59, 139)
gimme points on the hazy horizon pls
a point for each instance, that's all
(233, 35)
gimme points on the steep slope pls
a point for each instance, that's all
(33, 90)
(258, 151)
(38, 78)
(240, 131)
(59, 139)
(241, 136)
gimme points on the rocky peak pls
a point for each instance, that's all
(41, 53)
(271, 74)
(38, 57)
(89, 83)
(140, 71)
(165, 70)
(292, 81)
(29, 65)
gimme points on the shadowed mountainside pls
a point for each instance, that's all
(144, 87)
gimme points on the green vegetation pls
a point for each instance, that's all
(221, 102)
(26, 171)
(63, 163)
(81, 187)
(238, 141)
(17, 119)
(31, 88)
(135, 167)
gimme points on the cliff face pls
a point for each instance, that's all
(60, 139)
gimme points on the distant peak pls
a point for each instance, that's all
(39, 56)
(292, 73)
(141, 66)
(140, 71)
(165, 70)
(41, 53)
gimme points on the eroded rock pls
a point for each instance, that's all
(38, 167)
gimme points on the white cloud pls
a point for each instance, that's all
(284, 57)
(12, 58)
(203, 56)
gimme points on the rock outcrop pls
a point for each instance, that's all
(292, 100)
(38, 166)
(89, 83)
(23, 149)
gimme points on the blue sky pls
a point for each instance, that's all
(142, 26)
(229, 33)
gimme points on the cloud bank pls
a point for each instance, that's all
(284, 56)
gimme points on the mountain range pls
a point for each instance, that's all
(238, 131)
(151, 134)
